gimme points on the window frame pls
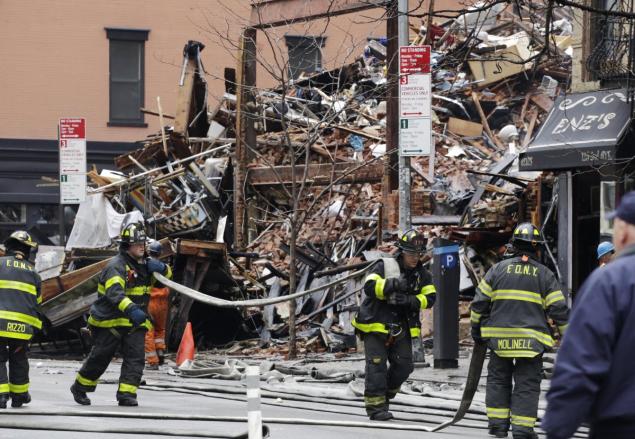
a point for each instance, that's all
(298, 41)
(139, 36)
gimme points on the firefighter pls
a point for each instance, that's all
(508, 312)
(606, 250)
(118, 318)
(158, 309)
(20, 289)
(396, 290)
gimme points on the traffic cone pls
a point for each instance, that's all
(186, 347)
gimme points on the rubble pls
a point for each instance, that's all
(491, 90)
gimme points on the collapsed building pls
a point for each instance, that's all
(313, 184)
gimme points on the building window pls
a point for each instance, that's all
(127, 70)
(305, 54)
(13, 214)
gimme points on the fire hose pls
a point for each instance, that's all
(222, 303)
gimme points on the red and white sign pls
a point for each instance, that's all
(415, 101)
(414, 59)
(72, 148)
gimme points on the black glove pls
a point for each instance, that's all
(396, 284)
(154, 265)
(136, 315)
(476, 335)
(404, 300)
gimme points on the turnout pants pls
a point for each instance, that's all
(383, 380)
(518, 404)
(106, 341)
(16, 382)
(155, 338)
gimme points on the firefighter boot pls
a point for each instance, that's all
(497, 432)
(383, 415)
(17, 399)
(4, 398)
(127, 400)
(79, 396)
(161, 355)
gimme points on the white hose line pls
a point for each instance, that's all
(222, 303)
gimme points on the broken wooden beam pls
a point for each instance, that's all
(318, 174)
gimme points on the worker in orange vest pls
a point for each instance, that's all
(158, 309)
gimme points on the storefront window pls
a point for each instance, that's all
(607, 205)
(12, 214)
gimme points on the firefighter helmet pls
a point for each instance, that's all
(155, 248)
(526, 233)
(412, 241)
(133, 234)
(20, 238)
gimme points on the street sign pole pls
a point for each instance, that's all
(404, 161)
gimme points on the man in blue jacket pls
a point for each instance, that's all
(593, 379)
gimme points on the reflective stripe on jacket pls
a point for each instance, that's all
(376, 315)
(510, 306)
(20, 296)
(123, 282)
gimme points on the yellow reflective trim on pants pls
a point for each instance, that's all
(526, 296)
(20, 286)
(115, 280)
(101, 289)
(137, 291)
(485, 288)
(498, 413)
(554, 297)
(475, 317)
(39, 300)
(127, 388)
(4, 388)
(370, 327)
(523, 421)
(19, 317)
(125, 302)
(85, 381)
(374, 400)
(516, 354)
(423, 300)
(491, 332)
(415, 332)
(428, 289)
(18, 388)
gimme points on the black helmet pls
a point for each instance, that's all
(21, 241)
(132, 234)
(155, 248)
(412, 241)
(526, 233)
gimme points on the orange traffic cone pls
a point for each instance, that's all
(186, 347)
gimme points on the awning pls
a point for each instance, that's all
(582, 129)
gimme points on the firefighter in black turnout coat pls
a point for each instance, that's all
(118, 318)
(20, 298)
(509, 312)
(396, 290)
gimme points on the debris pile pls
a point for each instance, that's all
(316, 171)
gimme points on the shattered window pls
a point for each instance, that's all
(12, 213)
(305, 55)
(127, 71)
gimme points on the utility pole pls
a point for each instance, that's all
(404, 161)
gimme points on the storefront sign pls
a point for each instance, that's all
(72, 149)
(582, 129)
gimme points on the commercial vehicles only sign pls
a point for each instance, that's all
(415, 101)
(72, 148)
